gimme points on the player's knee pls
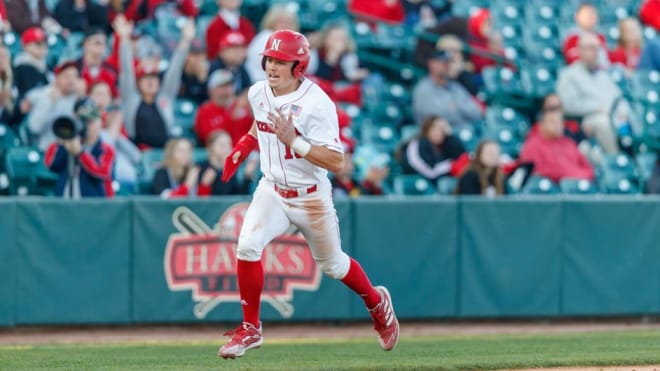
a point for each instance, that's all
(248, 249)
(335, 267)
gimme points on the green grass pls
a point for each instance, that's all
(437, 353)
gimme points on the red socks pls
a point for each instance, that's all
(250, 284)
(358, 281)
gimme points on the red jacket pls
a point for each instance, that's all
(378, 10)
(620, 56)
(556, 158)
(134, 12)
(217, 28)
(649, 13)
(211, 117)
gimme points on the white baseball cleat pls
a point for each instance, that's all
(385, 321)
(244, 337)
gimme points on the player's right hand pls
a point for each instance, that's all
(245, 145)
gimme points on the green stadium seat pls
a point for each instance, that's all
(500, 82)
(384, 138)
(199, 155)
(469, 136)
(27, 172)
(541, 12)
(507, 117)
(152, 160)
(509, 140)
(538, 80)
(12, 41)
(540, 185)
(578, 186)
(413, 185)
(56, 48)
(618, 174)
(464, 8)
(184, 117)
(651, 132)
(8, 140)
(408, 132)
(539, 52)
(446, 185)
(645, 86)
(646, 162)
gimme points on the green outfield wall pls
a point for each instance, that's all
(146, 260)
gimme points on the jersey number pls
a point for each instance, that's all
(290, 153)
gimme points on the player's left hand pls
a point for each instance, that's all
(283, 126)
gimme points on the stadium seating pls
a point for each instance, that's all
(446, 185)
(540, 185)
(578, 186)
(184, 117)
(618, 174)
(413, 185)
(27, 172)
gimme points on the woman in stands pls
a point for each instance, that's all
(629, 45)
(484, 175)
(334, 59)
(434, 152)
(178, 176)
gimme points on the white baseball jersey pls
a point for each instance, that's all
(314, 117)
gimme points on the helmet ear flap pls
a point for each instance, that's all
(296, 70)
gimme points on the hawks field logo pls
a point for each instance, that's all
(203, 260)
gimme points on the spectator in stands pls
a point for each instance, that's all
(127, 155)
(147, 105)
(276, 18)
(137, 10)
(344, 183)
(7, 96)
(92, 65)
(218, 147)
(24, 14)
(649, 13)
(629, 45)
(650, 58)
(374, 11)
(586, 22)
(333, 58)
(228, 19)
(54, 100)
(484, 41)
(484, 175)
(457, 71)
(30, 69)
(223, 110)
(195, 74)
(553, 154)
(433, 152)
(426, 13)
(178, 176)
(84, 163)
(231, 56)
(586, 91)
(81, 15)
(439, 95)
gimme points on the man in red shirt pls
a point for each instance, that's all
(223, 110)
(554, 155)
(228, 19)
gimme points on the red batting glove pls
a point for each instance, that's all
(245, 145)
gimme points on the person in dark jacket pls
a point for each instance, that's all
(84, 163)
(484, 175)
(30, 69)
(81, 15)
(432, 154)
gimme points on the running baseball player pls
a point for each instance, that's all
(297, 134)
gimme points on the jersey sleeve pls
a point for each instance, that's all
(323, 128)
(253, 95)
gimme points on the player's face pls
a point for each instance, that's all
(279, 75)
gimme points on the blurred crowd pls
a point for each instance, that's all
(121, 97)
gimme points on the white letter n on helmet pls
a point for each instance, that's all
(275, 45)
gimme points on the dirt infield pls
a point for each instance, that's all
(121, 334)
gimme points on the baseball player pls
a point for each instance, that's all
(296, 131)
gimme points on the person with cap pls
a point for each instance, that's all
(232, 54)
(92, 65)
(83, 162)
(228, 19)
(223, 110)
(30, 68)
(439, 95)
(51, 101)
(147, 104)
(195, 74)
(81, 15)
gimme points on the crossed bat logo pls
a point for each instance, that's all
(203, 260)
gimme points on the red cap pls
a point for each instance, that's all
(64, 65)
(33, 35)
(232, 38)
(146, 70)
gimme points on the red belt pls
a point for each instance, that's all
(292, 192)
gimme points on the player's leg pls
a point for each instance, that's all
(317, 220)
(264, 220)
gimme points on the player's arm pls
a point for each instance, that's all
(317, 155)
(242, 149)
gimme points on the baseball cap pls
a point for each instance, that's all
(197, 46)
(33, 35)
(146, 70)
(232, 38)
(441, 54)
(65, 65)
(219, 77)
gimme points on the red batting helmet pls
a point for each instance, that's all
(288, 46)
